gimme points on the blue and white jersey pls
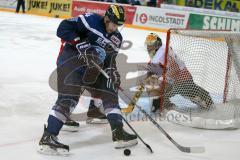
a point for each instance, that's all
(91, 27)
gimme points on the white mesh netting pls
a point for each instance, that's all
(203, 78)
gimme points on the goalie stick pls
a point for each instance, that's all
(180, 147)
(135, 98)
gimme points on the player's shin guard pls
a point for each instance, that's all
(120, 137)
(54, 125)
(64, 106)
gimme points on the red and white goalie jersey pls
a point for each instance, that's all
(176, 68)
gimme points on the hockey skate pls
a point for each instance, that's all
(122, 139)
(71, 126)
(49, 145)
(95, 116)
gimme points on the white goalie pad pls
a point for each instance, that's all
(223, 116)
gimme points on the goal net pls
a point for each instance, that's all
(201, 86)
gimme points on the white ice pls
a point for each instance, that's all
(28, 52)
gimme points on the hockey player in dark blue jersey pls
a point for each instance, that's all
(88, 39)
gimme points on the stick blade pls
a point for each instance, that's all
(191, 149)
(197, 150)
(149, 148)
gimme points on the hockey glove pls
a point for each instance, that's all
(114, 80)
(90, 53)
(74, 42)
(154, 69)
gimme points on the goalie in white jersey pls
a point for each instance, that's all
(178, 79)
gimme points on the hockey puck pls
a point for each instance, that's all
(127, 152)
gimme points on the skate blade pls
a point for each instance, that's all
(123, 144)
(96, 121)
(70, 128)
(47, 150)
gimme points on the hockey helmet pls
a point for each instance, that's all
(116, 14)
(153, 40)
(152, 43)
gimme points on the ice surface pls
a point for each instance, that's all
(28, 52)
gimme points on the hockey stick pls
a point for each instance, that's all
(106, 75)
(180, 147)
(135, 98)
(148, 146)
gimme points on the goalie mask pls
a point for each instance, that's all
(153, 42)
